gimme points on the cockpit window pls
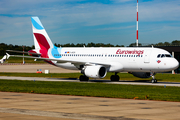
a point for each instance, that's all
(162, 55)
(168, 55)
(158, 55)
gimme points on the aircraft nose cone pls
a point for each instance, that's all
(175, 64)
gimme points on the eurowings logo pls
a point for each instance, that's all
(119, 51)
(158, 61)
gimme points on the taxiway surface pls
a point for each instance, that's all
(32, 68)
(91, 80)
(25, 106)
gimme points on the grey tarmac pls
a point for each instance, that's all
(32, 68)
(26, 106)
(92, 81)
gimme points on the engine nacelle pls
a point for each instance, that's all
(96, 71)
(142, 74)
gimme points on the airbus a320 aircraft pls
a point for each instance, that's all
(93, 62)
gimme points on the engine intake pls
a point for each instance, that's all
(96, 71)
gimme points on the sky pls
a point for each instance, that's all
(85, 21)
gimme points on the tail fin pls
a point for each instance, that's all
(42, 41)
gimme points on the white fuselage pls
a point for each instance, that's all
(117, 59)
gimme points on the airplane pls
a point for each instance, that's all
(4, 58)
(95, 62)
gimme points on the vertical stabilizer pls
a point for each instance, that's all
(42, 41)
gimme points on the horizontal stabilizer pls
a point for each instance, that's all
(7, 55)
(23, 52)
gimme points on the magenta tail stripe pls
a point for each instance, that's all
(43, 43)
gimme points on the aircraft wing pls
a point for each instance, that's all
(65, 60)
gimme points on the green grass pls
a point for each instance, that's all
(92, 89)
(166, 77)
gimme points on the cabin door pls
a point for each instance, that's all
(147, 56)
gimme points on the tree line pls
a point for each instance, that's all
(4, 47)
(173, 43)
(87, 45)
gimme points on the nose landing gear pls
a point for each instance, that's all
(153, 78)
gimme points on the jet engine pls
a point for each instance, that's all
(96, 71)
(142, 74)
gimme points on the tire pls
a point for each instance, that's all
(116, 78)
(153, 80)
(86, 78)
(112, 78)
(83, 78)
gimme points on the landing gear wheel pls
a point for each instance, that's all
(154, 81)
(114, 78)
(83, 78)
(153, 78)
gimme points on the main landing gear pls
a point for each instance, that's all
(115, 77)
(153, 78)
(83, 78)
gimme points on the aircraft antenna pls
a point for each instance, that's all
(137, 27)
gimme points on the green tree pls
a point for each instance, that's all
(176, 43)
(167, 44)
